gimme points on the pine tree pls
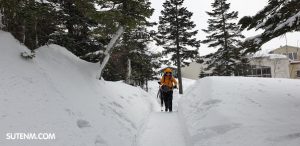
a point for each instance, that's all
(30, 21)
(276, 19)
(132, 48)
(176, 34)
(74, 31)
(81, 27)
(123, 15)
(142, 60)
(224, 35)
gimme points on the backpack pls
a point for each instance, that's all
(165, 89)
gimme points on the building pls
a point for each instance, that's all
(283, 62)
(293, 54)
(265, 65)
(269, 65)
(192, 71)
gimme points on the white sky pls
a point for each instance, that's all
(245, 8)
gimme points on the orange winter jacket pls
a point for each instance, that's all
(168, 81)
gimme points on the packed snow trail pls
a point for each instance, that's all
(162, 129)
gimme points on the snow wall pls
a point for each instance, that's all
(56, 92)
(236, 111)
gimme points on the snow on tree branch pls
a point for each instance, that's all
(276, 19)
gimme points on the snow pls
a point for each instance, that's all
(233, 111)
(42, 1)
(292, 21)
(56, 92)
(294, 62)
(164, 128)
(270, 56)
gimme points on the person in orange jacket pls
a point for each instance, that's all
(168, 83)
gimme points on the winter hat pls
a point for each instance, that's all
(168, 70)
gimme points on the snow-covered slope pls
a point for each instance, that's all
(228, 111)
(58, 93)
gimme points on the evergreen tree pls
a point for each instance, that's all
(133, 48)
(86, 28)
(123, 15)
(176, 34)
(276, 19)
(30, 21)
(75, 29)
(142, 60)
(224, 35)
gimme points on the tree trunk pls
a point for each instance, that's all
(24, 32)
(1, 17)
(109, 49)
(128, 78)
(36, 34)
(225, 37)
(178, 54)
(179, 70)
(147, 86)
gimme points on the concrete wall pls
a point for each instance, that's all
(295, 64)
(192, 71)
(287, 49)
(294, 67)
(279, 67)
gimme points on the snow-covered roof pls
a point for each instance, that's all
(295, 62)
(270, 56)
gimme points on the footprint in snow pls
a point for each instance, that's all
(83, 124)
(260, 90)
(288, 137)
(212, 102)
(117, 105)
(100, 141)
(70, 112)
(209, 132)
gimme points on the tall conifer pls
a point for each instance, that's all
(177, 35)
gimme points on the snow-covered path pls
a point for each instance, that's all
(162, 129)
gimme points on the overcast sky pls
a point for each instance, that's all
(244, 7)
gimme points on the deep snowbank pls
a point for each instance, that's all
(57, 93)
(228, 111)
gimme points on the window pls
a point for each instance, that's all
(266, 71)
(260, 71)
(298, 73)
(293, 56)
